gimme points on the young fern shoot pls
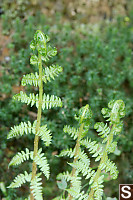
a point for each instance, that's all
(81, 162)
(41, 101)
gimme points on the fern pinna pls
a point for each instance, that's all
(41, 101)
(100, 151)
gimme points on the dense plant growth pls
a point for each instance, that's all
(97, 62)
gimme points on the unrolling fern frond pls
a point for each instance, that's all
(36, 187)
(41, 101)
(20, 179)
(42, 163)
(21, 157)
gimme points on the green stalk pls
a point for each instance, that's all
(36, 140)
(77, 146)
(110, 138)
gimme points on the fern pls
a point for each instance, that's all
(81, 162)
(47, 102)
(20, 179)
(21, 157)
(21, 129)
(73, 132)
(48, 74)
(36, 187)
(31, 79)
(41, 161)
(45, 135)
(41, 101)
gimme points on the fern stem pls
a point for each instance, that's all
(77, 147)
(103, 160)
(36, 140)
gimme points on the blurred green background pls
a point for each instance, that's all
(94, 40)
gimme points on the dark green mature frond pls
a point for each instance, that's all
(73, 132)
(50, 72)
(20, 179)
(42, 163)
(31, 79)
(21, 129)
(51, 101)
(36, 186)
(45, 135)
(21, 157)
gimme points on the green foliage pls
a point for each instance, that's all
(42, 101)
(81, 162)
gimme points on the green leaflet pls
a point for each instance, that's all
(47, 103)
(36, 186)
(45, 135)
(48, 73)
(20, 179)
(21, 157)
(21, 129)
(42, 163)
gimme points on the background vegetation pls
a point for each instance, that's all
(95, 43)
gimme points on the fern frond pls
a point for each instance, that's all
(77, 195)
(111, 167)
(36, 187)
(51, 101)
(41, 161)
(21, 129)
(83, 157)
(68, 152)
(21, 157)
(45, 135)
(20, 179)
(98, 188)
(50, 72)
(31, 79)
(103, 130)
(47, 102)
(32, 99)
(83, 168)
(65, 175)
(93, 148)
(73, 132)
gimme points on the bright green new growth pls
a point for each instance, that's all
(81, 162)
(41, 101)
